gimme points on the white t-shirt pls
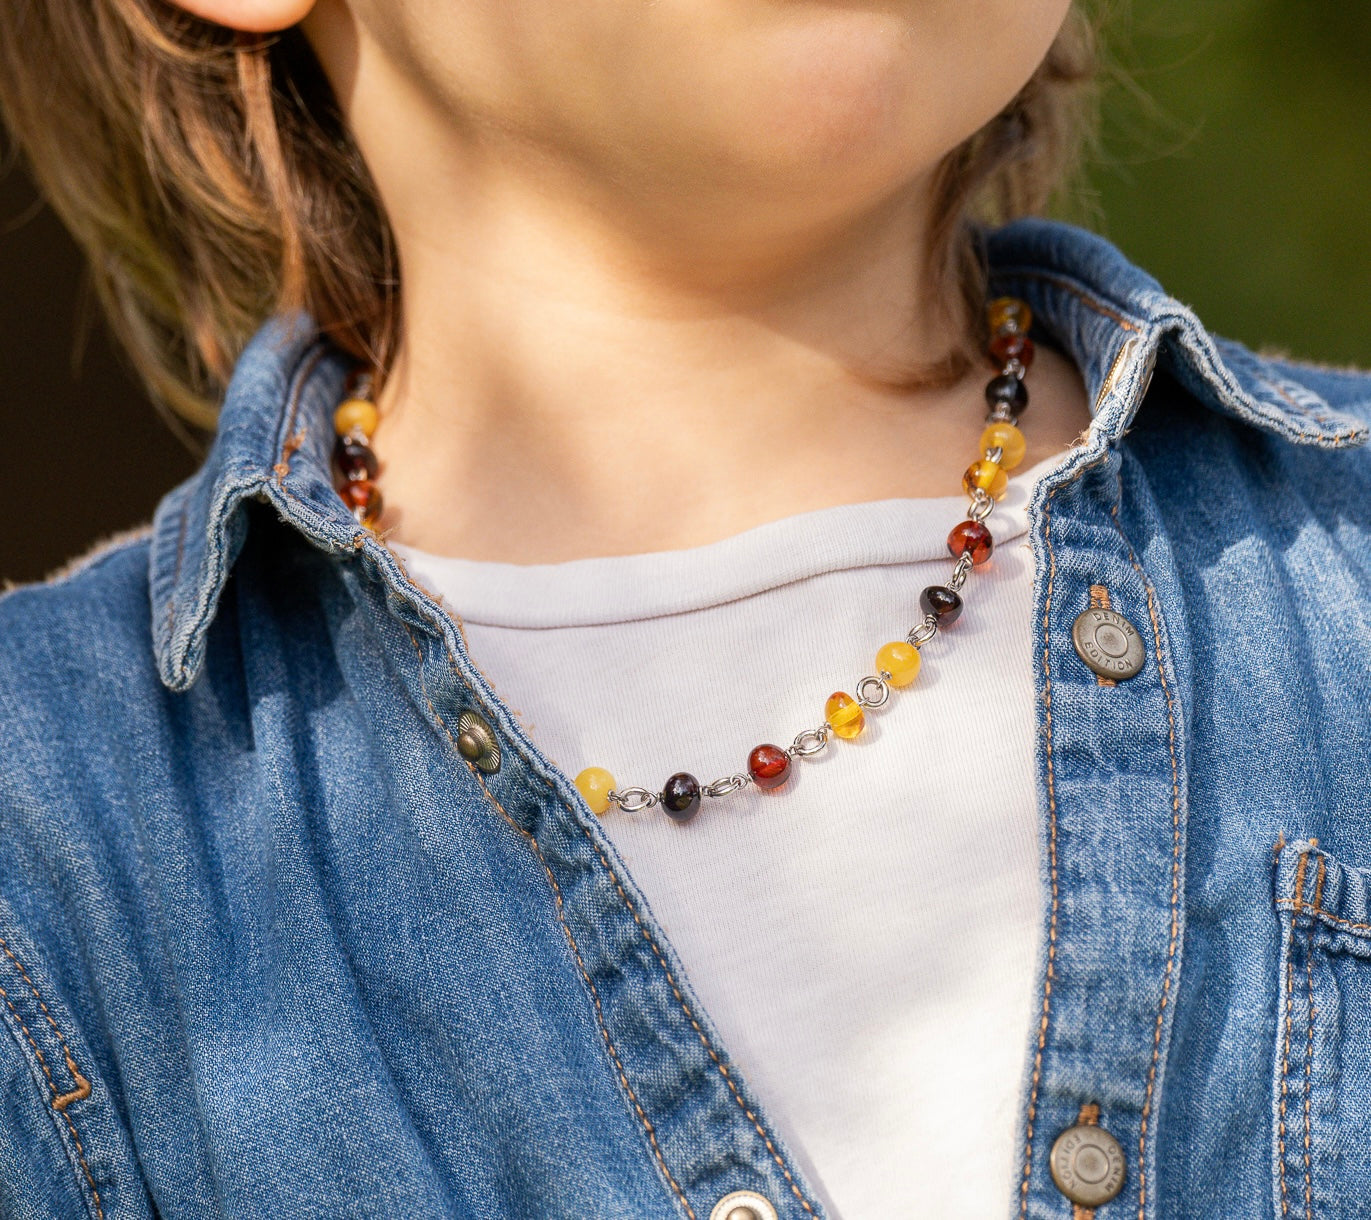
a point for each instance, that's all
(864, 937)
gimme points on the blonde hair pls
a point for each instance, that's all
(211, 180)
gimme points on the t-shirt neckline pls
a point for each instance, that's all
(622, 588)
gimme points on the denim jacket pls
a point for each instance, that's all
(273, 947)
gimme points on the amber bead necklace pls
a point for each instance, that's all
(897, 663)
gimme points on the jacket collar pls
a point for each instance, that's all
(274, 436)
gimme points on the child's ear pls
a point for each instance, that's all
(254, 16)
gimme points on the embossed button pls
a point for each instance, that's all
(1087, 1165)
(1108, 643)
(743, 1205)
(477, 743)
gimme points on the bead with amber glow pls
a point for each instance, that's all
(901, 660)
(1004, 348)
(987, 476)
(1008, 439)
(595, 784)
(769, 766)
(844, 714)
(363, 497)
(355, 414)
(970, 536)
(1009, 314)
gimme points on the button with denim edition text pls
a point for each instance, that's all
(1087, 1163)
(1107, 642)
(743, 1205)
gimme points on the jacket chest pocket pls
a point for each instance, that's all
(1322, 1089)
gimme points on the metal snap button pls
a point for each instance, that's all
(743, 1205)
(1108, 643)
(1087, 1165)
(477, 743)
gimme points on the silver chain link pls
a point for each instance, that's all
(958, 577)
(633, 800)
(809, 743)
(982, 504)
(879, 685)
(925, 631)
(726, 786)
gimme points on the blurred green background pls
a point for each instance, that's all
(1234, 164)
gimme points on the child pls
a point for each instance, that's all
(436, 811)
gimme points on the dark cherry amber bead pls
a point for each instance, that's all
(1007, 389)
(943, 602)
(970, 536)
(681, 797)
(363, 497)
(353, 459)
(769, 766)
(1004, 348)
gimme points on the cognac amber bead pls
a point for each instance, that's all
(844, 714)
(355, 414)
(681, 797)
(1008, 439)
(1008, 314)
(363, 497)
(943, 603)
(353, 459)
(987, 476)
(900, 660)
(1004, 348)
(769, 766)
(970, 536)
(595, 784)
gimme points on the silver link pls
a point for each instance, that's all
(726, 786)
(809, 743)
(634, 800)
(879, 698)
(1013, 368)
(958, 577)
(982, 504)
(994, 453)
(925, 631)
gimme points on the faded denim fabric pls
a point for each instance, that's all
(271, 948)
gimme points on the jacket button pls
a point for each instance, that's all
(477, 743)
(1108, 643)
(1087, 1165)
(743, 1205)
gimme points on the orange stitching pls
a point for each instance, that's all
(1326, 916)
(1052, 856)
(1318, 886)
(566, 929)
(1299, 883)
(1099, 600)
(1285, 1063)
(1092, 302)
(59, 1101)
(292, 441)
(1308, 1073)
(1175, 865)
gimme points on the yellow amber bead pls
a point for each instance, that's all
(1009, 313)
(844, 714)
(595, 784)
(900, 660)
(1009, 439)
(986, 475)
(355, 413)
